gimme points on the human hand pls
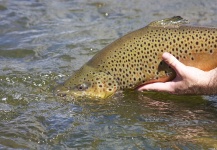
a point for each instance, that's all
(188, 80)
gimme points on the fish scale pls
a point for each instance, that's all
(135, 59)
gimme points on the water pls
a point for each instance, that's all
(43, 42)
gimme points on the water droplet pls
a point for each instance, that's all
(4, 98)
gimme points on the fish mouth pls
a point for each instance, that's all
(67, 94)
(76, 95)
(59, 93)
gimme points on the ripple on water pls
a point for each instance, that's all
(17, 53)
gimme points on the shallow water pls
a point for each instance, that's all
(43, 42)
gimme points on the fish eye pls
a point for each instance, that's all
(82, 87)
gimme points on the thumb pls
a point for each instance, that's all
(173, 62)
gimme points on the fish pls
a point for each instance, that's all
(135, 59)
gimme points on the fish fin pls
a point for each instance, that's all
(173, 22)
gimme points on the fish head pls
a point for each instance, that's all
(88, 82)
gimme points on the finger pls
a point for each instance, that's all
(159, 86)
(173, 62)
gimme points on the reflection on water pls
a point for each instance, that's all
(42, 43)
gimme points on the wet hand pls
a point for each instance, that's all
(189, 80)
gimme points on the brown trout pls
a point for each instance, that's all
(136, 58)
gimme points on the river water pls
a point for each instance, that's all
(42, 42)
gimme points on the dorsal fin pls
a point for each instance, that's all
(173, 22)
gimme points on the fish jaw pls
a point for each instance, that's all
(81, 94)
(88, 83)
